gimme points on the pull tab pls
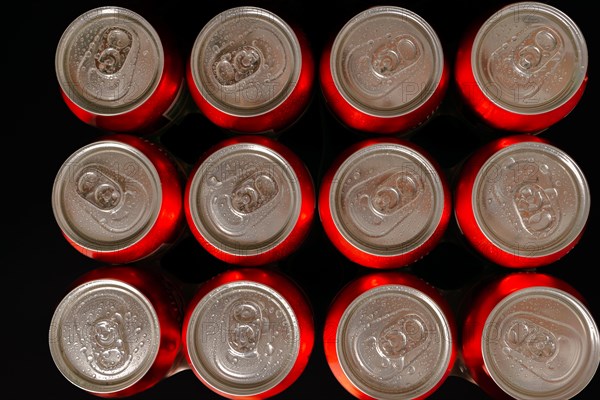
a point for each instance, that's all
(384, 201)
(522, 65)
(245, 327)
(380, 71)
(106, 70)
(235, 65)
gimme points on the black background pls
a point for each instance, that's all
(40, 133)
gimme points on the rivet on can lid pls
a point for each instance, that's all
(243, 338)
(104, 336)
(386, 199)
(529, 58)
(109, 60)
(245, 199)
(541, 342)
(531, 199)
(106, 196)
(394, 342)
(246, 61)
(387, 61)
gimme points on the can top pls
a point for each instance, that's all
(541, 343)
(104, 336)
(246, 61)
(245, 199)
(106, 196)
(393, 341)
(387, 61)
(530, 199)
(529, 58)
(243, 338)
(386, 199)
(109, 60)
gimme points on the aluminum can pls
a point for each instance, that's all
(530, 336)
(384, 203)
(523, 69)
(117, 332)
(250, 71)
(248, 333)
(120, 199)
(116, 73)
(390, 335)
(384, 72)
(521, 202)
(250, 200)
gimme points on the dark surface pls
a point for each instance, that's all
(39, 265)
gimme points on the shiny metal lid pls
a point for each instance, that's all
(106, 196)
(245, 199)
(387, 61)
(109, 60)
(529, 58)
(531, 199)
(386, 199)
(246, 61)
(104, 336)
(541, 343)
(243, 338)
(394, 342)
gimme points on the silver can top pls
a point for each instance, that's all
(541, 343)
(109, 60)
(243, 338)
(529, 58)
(386, 199)
(106, 196)
(245, 199)
(387, 61)
(246, 61)
(104, 336)
(531, 199)
(394, 342)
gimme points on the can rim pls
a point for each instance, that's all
(66, 170)
(208, 377)
(57, 352)
(574, 32)
(571, 168)
(437, 316)
(405, 15)
(68, 85)
(425, 167)
(586, 372)
(237, 13)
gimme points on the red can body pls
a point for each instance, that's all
(404, 254)
(144, 115)
(162, 231)
(164, 300)
(272, 163)
(520, 110)
(361, 286)
(478, 331)
(526, 182)
(272, 280)
(248, 119)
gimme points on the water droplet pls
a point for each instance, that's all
(411, 370)
(506, 350)
(270, 349)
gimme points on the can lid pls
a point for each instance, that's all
(109, 60)
(245, 199)
(106, 196)
(387, 61)
(246, 61)
(386, 199)
(529, 58)
(530, 199)
(243, 338)
(104, 336)
(394, 342)
(541, 342)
